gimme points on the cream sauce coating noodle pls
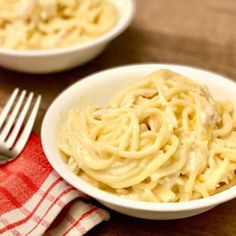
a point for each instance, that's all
(163, 139)
(47, 24)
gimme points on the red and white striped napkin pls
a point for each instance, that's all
(35, 200)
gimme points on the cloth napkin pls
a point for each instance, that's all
(35, 200)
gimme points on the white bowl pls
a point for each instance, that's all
(100, 87)
(47, 61)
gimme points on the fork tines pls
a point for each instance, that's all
(18, 109)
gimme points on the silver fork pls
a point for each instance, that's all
(13, 134)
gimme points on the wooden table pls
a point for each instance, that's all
(201, 33)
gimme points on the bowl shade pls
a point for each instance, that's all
(50, 63)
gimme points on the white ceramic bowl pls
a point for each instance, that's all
(47, 61)
(100, 87)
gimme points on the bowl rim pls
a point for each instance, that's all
(122, 23)
(109, 198)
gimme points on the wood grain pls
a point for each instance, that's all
(198, 33)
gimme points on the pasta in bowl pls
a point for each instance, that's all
(44, 24)
(162, 148)
(42, 36)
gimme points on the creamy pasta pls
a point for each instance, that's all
(46, 24)
(163, 139)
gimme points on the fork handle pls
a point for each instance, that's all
(4, 160)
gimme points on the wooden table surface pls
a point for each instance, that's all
(200, 33)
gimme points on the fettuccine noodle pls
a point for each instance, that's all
(47, 24)
(163, 139)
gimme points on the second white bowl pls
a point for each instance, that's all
(54, 60)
